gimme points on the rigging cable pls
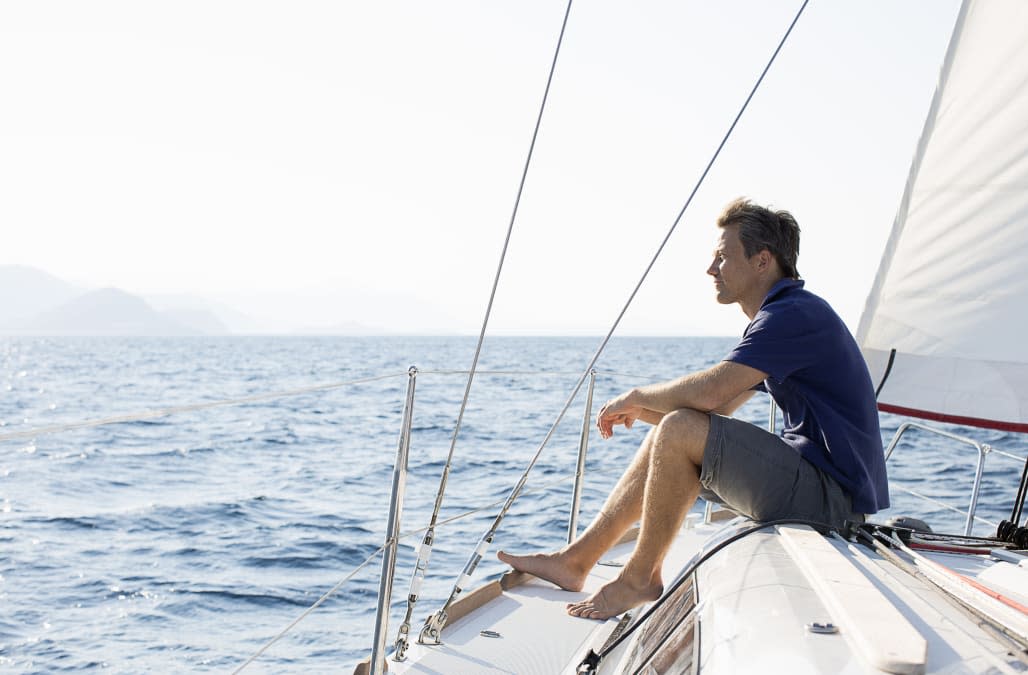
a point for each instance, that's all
(307, 611)
(434, 624)
(425, 551)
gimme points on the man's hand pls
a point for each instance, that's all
(619, 410)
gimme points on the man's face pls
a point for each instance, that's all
(735, 275)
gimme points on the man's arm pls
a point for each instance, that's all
(736, 403)
(721, 388)
(654, 417)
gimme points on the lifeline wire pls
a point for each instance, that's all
(540, 488)
(164, 412)
(435, 624)
(938, 503)
(310, 609)
(421, 566)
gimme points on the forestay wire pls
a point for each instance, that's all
(435, 623)
(421, 566)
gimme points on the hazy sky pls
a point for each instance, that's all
(323, 162)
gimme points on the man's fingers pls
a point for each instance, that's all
(606, 421)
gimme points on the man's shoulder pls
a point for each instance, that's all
(798, 300)
(795, 313)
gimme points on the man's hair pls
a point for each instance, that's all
(761, 228)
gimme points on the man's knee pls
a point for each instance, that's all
(686, 430)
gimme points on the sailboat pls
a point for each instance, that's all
(940, 333)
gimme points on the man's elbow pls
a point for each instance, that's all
(732, 404)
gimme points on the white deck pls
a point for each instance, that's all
(536, 633)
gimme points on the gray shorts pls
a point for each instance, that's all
(759, 475)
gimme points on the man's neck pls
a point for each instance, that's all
(751, 304)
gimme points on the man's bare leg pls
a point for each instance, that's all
(671, 487)
(569, 567)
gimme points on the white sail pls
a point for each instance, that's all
(951, 295)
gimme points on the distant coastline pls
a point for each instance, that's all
(33, 302)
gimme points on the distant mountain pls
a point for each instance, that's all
(108, 311)
(33, 302)
(25, 292)
(211, 316)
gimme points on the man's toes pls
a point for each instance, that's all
(579, 609)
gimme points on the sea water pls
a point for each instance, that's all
(192, 538)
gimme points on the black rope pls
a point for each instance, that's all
(1015, 516)
(1008, 530)
(888, 369)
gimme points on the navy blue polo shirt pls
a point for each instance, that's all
(818, 378)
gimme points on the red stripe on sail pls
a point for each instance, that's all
(954, 419)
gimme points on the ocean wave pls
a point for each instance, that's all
(194, 601)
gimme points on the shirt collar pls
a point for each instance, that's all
(781, 287)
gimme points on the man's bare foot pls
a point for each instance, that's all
(615, 597)
(557, 568)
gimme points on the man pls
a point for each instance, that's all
(827, 466)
